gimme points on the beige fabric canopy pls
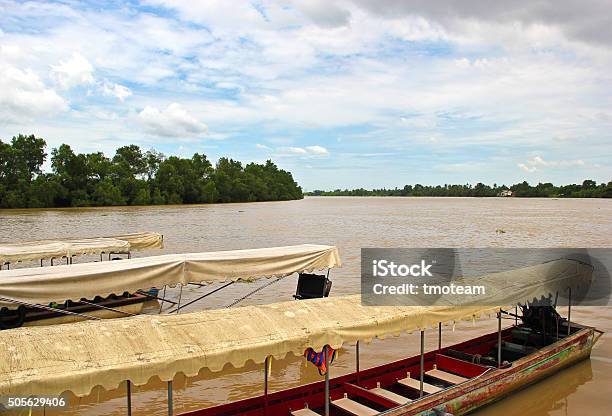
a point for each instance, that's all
(142, 241)
(31, 250)
(48, 249)
(87, 280)
(84, 246)
(81, 356)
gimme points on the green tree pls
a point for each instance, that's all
(107, 194)
(130, 161)
(153, 159)
(71, 170)
(29, 155)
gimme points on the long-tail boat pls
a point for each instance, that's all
(68, 248)
(56, 250)
(73, 292)
(451, 380)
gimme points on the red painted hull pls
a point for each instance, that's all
(485, 386)
(500, 383)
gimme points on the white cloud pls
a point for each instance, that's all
(261, 146)
(294, 150)
(537, 162)
(73, 72)
(303, 151)
(10, 52)
(174, 121)
(23, 95)
(528, 169)
(317, 150)
(115, 90)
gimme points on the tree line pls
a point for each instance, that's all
(588, 189)
(131, 177)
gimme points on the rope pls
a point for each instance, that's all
(255, 291)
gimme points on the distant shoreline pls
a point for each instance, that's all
(587, 189)
(307, 195)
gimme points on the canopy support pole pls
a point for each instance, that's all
(129, 398)
(569, 312)
(203, 296)
(266, 376)
(357, 360)
(326, 380)
(516, 315)
(178, 308)
(170, 404)
(161, 304)
(150, 296)
(439, 335)
(422, 363)
(107, 308)
(499, 339)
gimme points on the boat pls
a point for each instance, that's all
(39, 296)
(114, 306)
(453, 384)
(122, 304)
(68, 248)
(450, 380)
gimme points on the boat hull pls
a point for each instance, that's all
(134, 309)
(494, 386)
(109, 308)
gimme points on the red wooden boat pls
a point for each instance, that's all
(457, 379)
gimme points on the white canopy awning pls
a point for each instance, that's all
(49, 249)
(142, 241)
(85, 246)
(80, 356)
(87, 280)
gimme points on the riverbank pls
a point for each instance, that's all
(587, 189)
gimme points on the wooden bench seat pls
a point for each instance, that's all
(389, 395)
(354, 408)
(304, 412)
(416, 384)
(445, 376)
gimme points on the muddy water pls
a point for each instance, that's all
(349, 223)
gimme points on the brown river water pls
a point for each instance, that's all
(349, 223)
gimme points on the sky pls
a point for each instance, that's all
(355, 93)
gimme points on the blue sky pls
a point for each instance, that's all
(353, 93)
